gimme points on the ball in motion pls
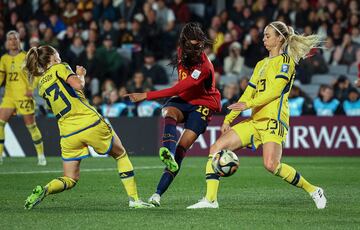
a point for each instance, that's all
(225, 163)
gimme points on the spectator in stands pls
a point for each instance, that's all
(85, 5)
(284, 11)
(247, 19)
(113, 108)
(299, 103)
(128, 9)
(152, 36)
(181, 11)
(328, 52)
(351, 106)
(326, 104)
(108, 30)
(230, 95)
(236, 11)
(110, 61)
(70, 15)
(83, 22)
(138, 84)
(34, 42)
(165, 18)
(355, 35)
(346, 53)
(90, 61)
(234, 63)
(337, 34)
(49, 39)
(215, 33)
(74, 52)
(342, 87)
(153, 71)
(56, 24)
(104, 10)
(253, 49)
(106, 88)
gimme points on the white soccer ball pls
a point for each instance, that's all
(225, 163)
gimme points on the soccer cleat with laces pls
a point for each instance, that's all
(35, 198)
(204, 203)
(168, 159)
(41, 160)
(319, 198)
(139, 204)
(155, 200)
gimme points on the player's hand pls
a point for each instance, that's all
(225, 127)
(80, 70)
(29, 93)
(136, 97)
(239, 106)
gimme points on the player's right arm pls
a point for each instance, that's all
(75, 80)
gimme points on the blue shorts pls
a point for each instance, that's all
(196, 117)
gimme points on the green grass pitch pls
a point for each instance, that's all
(251, 199)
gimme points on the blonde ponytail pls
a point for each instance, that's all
(37, 60)
(296, 46)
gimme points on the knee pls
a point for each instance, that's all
(168, 113)
(271, 165)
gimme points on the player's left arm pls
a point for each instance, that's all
(274, 85)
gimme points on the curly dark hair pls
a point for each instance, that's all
(192, 42)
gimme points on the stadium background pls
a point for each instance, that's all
(125, 46)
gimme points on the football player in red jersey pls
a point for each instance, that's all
(192, 101)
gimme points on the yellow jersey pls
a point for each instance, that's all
(16, 79)
(71, 108)
(268, 90)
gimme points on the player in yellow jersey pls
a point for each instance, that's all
(267, 96)
(79, 123)
(18, 95)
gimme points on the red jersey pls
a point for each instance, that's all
(196, 86)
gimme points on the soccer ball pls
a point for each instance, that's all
(225, 163)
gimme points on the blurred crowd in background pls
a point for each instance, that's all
(126, 47)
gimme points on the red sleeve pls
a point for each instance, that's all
(181, 86)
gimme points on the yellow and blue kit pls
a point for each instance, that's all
(267, 96)
(16, 84)
(79, 123)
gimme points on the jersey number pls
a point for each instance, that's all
(57, 93)
(262, 87)
(14, 76)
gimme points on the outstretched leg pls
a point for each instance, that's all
(60, 184)
(272, 154)
(187, 138)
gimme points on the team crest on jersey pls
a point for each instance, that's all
(196, 74)
(285, 68)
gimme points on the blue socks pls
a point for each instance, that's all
(169, 139)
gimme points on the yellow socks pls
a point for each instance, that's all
(212, 182)
(37, 138)
(290, 175)
(2, 136)
(59, 185)
(126, 172)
